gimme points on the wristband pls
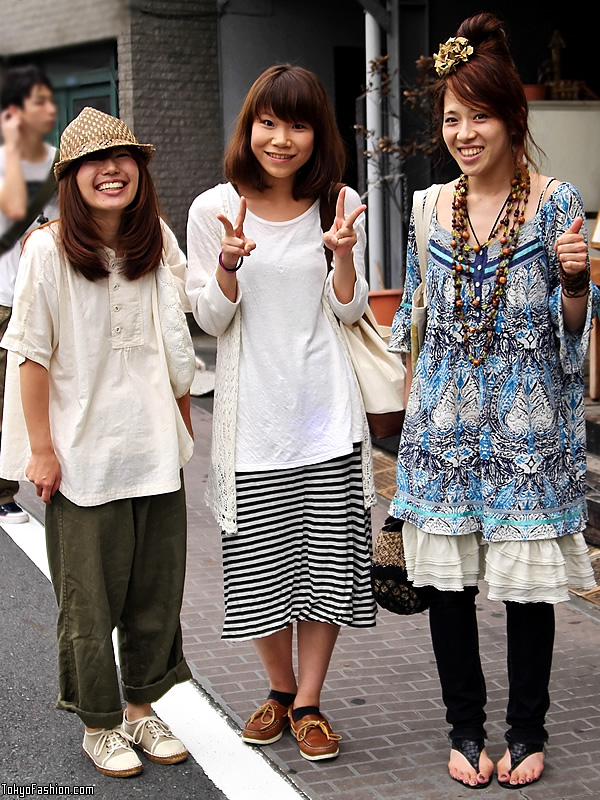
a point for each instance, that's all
(575, 285)
(222, 265)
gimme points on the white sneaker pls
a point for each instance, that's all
(12, 513)
(111, 753)
(155, 739)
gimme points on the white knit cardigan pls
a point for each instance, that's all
(220, 489)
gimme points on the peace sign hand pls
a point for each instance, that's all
(341, 237)
(234, 243)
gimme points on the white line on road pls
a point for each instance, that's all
(237, 769)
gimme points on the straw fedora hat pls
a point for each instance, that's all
(93, 130)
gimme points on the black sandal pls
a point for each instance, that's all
(471, 750)
(518, 752)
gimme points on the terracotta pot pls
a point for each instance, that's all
(535, 91)
(384, 303)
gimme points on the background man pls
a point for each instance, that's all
(27, 199)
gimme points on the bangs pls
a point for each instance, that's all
(464, 93)
(288, 98)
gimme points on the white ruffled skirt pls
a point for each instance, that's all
(539, 571)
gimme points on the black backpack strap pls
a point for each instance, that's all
(18, 228)
(327, 212)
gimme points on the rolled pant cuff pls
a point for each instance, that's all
(526, 735)
(139, 695)
(467, 733)
(107, 719)
(7, 498)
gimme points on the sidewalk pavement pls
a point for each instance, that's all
(382, 693)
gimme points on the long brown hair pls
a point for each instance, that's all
(140, 235)
(293, 94)
(489, 81)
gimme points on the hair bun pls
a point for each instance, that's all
(482, 28)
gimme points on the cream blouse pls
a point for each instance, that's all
(118, 353)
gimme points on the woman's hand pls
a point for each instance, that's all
(43, 470)
(234, 243)
(572, 249)
(572, 252)
(341, 237)
(184, 405)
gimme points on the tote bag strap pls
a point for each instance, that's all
(423, 213)
(10, 237)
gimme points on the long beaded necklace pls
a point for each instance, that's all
(514, 205)
(495, 228)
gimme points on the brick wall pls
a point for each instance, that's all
(168, 78)
(169, 94)
(30, 26)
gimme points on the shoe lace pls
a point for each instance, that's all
(309, 724)
(113, 739)
(266, 713)
(156, 728)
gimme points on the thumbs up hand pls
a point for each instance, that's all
(571, 248)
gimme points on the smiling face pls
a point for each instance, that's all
(108, 181)
(479, 142)
(281, 147)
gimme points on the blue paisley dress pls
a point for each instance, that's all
(496, 453)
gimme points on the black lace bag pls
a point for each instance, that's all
(391, 587)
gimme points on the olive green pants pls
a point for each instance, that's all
(118, 565)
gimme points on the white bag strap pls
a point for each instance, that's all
(422, 215)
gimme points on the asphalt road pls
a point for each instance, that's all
(40, 745)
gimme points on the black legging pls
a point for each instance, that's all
(530, 641)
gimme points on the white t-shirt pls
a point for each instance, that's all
(35, 175)
(298, 402)
(116, 427)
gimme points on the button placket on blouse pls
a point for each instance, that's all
(125, 310)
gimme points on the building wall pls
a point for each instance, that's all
(169, 93)
(30, 26)
(168, 78)
(567, 132)
(254, 34)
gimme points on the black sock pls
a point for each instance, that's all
(302, 711)
(285, 698)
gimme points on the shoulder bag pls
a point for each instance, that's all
(389, 578)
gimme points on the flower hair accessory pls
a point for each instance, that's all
(456, 49)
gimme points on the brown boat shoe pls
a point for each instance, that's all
(267, 724)
(316, 740)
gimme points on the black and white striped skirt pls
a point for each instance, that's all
(302, 551)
